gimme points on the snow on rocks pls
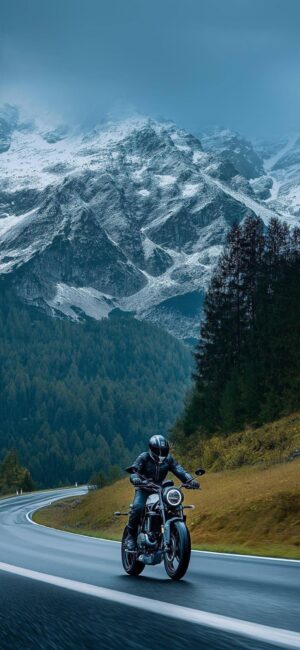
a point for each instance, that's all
(132, 214)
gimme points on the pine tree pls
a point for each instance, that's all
(248, 354)
(13, 476)
(67, 389)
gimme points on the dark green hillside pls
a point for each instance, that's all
(76, 398)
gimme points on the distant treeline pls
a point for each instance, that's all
(80, 398)
(14, 477)
(248, 354)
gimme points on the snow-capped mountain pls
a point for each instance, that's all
(283, 168)
(233, 147)
(131, 215)
(271, 167)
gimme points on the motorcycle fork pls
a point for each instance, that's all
(163, 516)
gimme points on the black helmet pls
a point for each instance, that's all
(158, 448)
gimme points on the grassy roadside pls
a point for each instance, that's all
(8, 496)
(266, 445)
(251, 510)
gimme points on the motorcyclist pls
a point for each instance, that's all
(154, 465)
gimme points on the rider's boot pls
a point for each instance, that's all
(131, 540)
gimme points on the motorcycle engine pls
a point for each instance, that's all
(153, 523)
(147, 540)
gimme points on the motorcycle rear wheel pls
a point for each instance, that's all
(178, 559)
(131, 565)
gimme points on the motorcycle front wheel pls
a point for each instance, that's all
(130, 563)
(178, 557)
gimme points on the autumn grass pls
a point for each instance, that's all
(251, 510)
(266, 445)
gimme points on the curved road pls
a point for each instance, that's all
(61, 591)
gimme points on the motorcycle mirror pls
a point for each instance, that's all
(200, 471)
(130, 469)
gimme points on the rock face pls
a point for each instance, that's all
(8, 121)
(132, 215)
(272, 168)
(235, 149)
(283, 167)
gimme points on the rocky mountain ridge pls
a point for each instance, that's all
(130, 215)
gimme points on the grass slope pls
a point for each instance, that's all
(266, 445)
(250, 509)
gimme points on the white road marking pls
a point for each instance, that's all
(44, 504)
(59, 530)
(248, 557)
(276, 636)
(113, 541)
(68, 532)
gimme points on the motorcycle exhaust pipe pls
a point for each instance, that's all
(143, 540)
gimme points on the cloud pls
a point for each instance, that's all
(193, 61)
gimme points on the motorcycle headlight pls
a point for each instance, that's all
(174, 497)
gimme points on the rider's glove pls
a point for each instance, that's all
(193, 485)
(136, 481)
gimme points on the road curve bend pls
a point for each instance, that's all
(65, 591)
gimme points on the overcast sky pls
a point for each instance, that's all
(199, 62)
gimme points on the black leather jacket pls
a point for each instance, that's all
(145, 467)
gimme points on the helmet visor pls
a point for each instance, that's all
(159, 458)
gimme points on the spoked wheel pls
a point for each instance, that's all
(130, 563)
(178, 558)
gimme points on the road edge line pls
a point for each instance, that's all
(194, 550)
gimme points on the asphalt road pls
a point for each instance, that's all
(60, 591)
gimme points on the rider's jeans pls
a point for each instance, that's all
(137, 509)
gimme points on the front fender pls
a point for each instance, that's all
(167, 529)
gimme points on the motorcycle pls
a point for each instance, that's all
(162, 534)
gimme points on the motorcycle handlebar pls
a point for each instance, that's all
(154, 486)
(150, 485)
